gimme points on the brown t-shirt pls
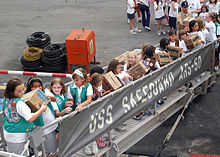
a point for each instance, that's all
(182, 16)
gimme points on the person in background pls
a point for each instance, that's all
(173, 14)
(211, 27)
(194, 7)
(131, 16)
(131, 60)
(194, 28)
(164, 42)
(96, 69)
(204, 12)
(202, 28)
(216, 21)
(115, 67)
(17, 117)
(137, 10)
(145, 8)
(147, 54)
(214, 6)
(173, 38)
(182, 15)
(182, 36)
(159, 16)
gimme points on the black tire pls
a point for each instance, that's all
(38, 39)
(53, 51)
(31, 65)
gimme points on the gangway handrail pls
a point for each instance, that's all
(122, 88)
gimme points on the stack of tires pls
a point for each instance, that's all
(42, 55)
(32, 58)
(54, 58)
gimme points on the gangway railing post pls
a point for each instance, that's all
(170, 133)
(36, 140)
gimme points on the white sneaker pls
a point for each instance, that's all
(128, 21)
(148, 28)
(159, 33)
(87, 149)
(95, 149)
(139, 19)
(132, 32)
(164, 32)
(120, 128)
(197, 79)
(138, 30)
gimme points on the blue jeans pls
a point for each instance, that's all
(143, 9)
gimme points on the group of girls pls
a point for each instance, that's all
(19, 120)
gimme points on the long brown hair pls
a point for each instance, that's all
(58, 81)
(113, 65)
(96, 78)
(11, 85)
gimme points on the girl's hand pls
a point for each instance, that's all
(68, 110)
(43, 107)
(128, 72)
(106, 92)
(52, 98)
(79, 108)
(68, 103)
(125, 78)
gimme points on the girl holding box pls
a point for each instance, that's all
(47, 117)
(17, 116)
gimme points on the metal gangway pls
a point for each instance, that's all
(120, 141)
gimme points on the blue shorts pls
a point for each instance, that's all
(161, 18)
(130, 16)
(172, 22)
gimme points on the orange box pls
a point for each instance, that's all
(80, 47)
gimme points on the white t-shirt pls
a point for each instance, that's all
(172, 43)
(121, 75)
(145, 2)
(157, 50)
(194, 5)
(160, 12)
(24, 111)
(213, 8)
(130, 6)
(203, 15)
(205, 33)
(212, 31)
(89, 92)
(173, 13)
(157, 65)
(182, 45)
(48, 116)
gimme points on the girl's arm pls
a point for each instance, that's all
(42, 109)
(66, 110)
(173, 6)
(85, 103)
